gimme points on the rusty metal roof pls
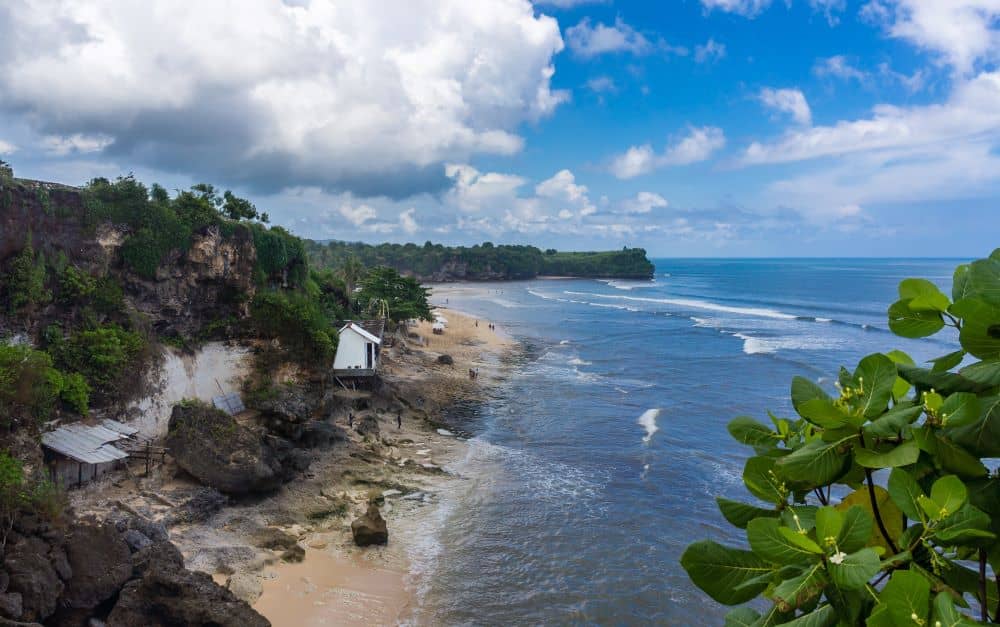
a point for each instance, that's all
(86, 444)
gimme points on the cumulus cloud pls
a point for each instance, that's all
(970, 113)
(408, 222)
(357, 215)
(644, 202)
(838, 66)
(602, 84)
(475, 191)
(961, 33)
(7, 148)
(698, 145)
(790, 101)
(563, 186)
(587, 40)
(746, 8)
(333, 93)
(711, 50)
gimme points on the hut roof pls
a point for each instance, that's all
(369, 329)
(86, 444)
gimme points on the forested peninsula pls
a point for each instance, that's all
(483, 262)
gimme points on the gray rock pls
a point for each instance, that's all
(446, 360)
(200, 507)
(101, 562)
(32, 574)
(221, 453)
(370, 528)
(136, 540)
(10, 605)
(245, 586)
(155, 531)
(367, 426)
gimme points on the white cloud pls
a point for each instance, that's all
(7, 148)
(838, 66)
(567, 4)
(335, 93)
(711, 50)
(602, 84)
(357, 215)
(475, 191)
(698, 145)
(644, 202)
(589, 41)
(76, 143)
(407, 221)
(790, 101)
(961, 33)
(563, 186)
(746, 8)
(830, 9)
(971, 111)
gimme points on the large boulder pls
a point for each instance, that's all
(101, 562)
(370, 528)
(210, 445)
(165, 594)
(34, 577)
(367, 426)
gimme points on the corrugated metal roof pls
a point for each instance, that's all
(120, 427)
(232, 404)
(83, 443)
(361, 331)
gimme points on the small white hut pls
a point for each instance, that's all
(358, 349)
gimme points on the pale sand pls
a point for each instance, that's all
(340, 584)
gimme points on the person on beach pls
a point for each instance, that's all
(399, 420)
(350, 419)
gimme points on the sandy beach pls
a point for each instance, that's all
(331, 581)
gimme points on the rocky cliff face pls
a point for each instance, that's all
(213, 279)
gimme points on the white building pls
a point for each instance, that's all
(358, 348)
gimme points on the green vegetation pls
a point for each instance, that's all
(892, 554)
(384, 293)
(305, 331)
(30, 387)
(18, 492)
(26, 280)
(484, 261)
(106, 356)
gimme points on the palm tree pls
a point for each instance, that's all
(351, 272)
(379, 307)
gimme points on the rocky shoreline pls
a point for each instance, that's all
(222, 532)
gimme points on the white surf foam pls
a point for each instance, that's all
(753, 345)
(576, 361)
(648, 422)
(760, 312)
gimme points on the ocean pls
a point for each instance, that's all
(597, 462)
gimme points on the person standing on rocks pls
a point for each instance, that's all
(350, 419)
(399, 420)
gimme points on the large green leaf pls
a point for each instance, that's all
(982, 437)
(746, 430)
(797, 591)
(966, 527)
(891, 516)
(804, 390)
(893, 421)
(960, 409)
(817, 463)
(742, 617)
(985, 372)
(720, 571)
(905, 493)
(947, 455)
(856, 532)
(907, 594)
(947, 362)
(823, 616)
(823, 412)
(945, 614)
(829, 522)
(855, 570)
(980, 334)
(906, 322)
(943, 382)
(983, 280)
(762, 481)
(901, 455)
(767, 542)
(739, 514)
(949, 493)
(901, 386)
(875, 375)
(960, 283)
(923, 295)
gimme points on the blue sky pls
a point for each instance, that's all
(688, 127)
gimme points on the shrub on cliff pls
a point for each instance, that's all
(403, 297)
(106, 356)
(26, 279)
(877, 497)
(30, 387)
(297, 321)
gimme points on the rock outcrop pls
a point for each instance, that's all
(370, 528)
(101, 562)
(367, 426)
(210, 445)
(164, 594)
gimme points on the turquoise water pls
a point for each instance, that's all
(597, 462)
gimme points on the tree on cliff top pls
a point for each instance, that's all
(405, 297)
